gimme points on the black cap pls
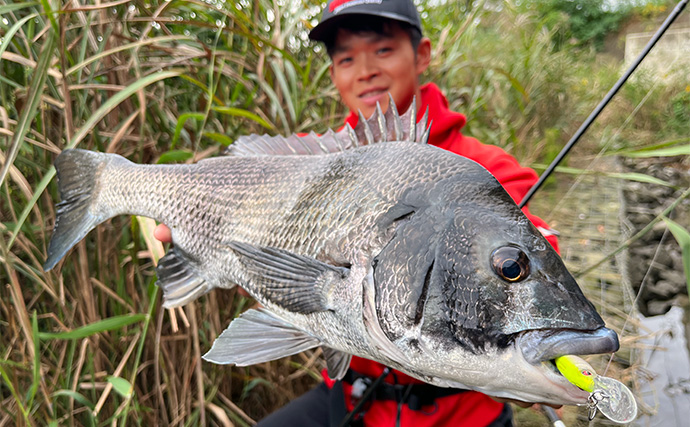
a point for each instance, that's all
(398, 10)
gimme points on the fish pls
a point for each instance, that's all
(367, 242)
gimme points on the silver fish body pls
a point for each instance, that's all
(395, 251)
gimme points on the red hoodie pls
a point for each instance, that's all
(471, 409)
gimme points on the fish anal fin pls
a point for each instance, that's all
(179, 282)
(258, 336)
(294, 282)
(337, 362)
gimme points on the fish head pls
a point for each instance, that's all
(495, 304)
(499, 269)
(502, 292)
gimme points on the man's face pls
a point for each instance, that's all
(367, 66)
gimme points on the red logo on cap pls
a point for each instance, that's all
(337, 3)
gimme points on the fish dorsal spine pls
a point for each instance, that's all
(380, 127)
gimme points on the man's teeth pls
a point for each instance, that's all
(372, 93)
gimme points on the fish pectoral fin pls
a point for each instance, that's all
(294, 282)
(337, 362)
(180, 284)
(258, 336)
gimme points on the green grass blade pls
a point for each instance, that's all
(683, 238)
(13, 392)
(124, 47)
(219, 138)
(628, 176)
(180, 125)
(76, 396)
(639, 177)
(651, 147)
(173, 156)
(104, 109)
(109, 324)
(201, 86)
(13, 30)
(33, 101)
(679, 150)
(37, 362)
(238, 112)
(7, 8)
(281, 77)
(51, 15)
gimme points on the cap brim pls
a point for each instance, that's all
(321, 32)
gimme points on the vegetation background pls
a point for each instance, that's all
(176, 81)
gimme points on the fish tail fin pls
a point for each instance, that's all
(77, 173)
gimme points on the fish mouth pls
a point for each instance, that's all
(540, 346)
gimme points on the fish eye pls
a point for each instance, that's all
(510, 263)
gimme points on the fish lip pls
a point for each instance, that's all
(542, 345)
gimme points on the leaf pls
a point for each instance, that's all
(629, 176)
(243, 113)
(16, 6)
(219, 137)
(33, 101)
(683, 238)
(281, 78)
(124, 47)
(173, 156)
(121, 386)
(678, 150)
(7, 38)
(253, 383)
(109, 324)
(640, 177)
(51, 15)
(76, 396)
(180, 125)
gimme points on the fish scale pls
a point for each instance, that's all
(357, 243)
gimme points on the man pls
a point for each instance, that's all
(377, 48)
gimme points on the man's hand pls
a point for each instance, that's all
(162, 233)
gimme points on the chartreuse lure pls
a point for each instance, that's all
(609, 396)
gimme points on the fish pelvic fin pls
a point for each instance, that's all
(380, 127)
(294, 282)
(337, 362)
(77, 174)
(179, 282)
(258, 336)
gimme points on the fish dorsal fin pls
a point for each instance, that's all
(380, 127)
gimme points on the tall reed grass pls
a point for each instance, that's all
(176, 81)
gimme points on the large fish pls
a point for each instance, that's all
(364, 242)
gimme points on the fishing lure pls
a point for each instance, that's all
(608, 396)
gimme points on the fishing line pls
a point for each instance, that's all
(639, 292)
(610, 140)
(616, 87)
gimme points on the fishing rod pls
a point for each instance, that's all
(660, 32)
